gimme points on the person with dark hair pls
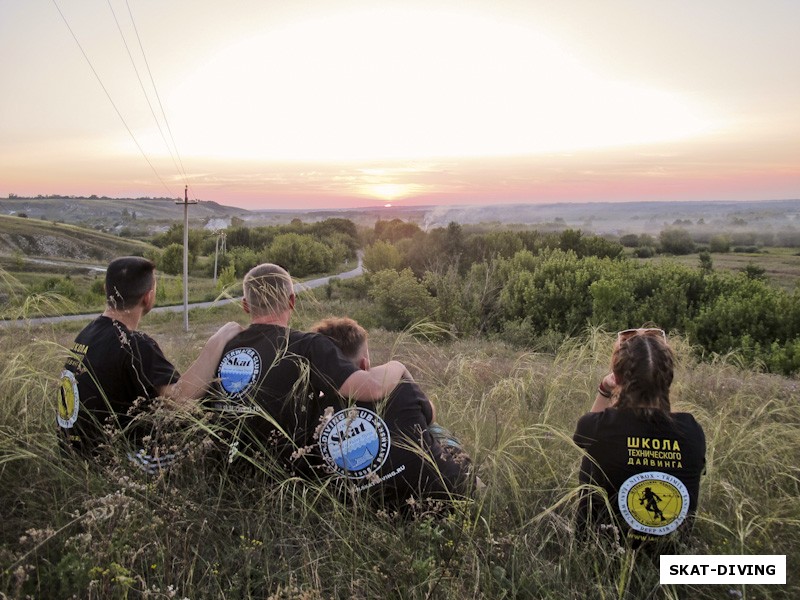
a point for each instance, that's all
(648, 459)
(273, 382)
(114, 372)
(388, 447)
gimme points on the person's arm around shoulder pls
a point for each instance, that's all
(198, 376)
(375, 384)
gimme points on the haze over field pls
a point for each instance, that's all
(322, 105)
(148, 216)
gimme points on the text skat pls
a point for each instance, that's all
(349, 432)
(237, 362)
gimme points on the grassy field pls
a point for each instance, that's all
(37, 237)
(84, 293)
(48, 269)
(108, 211)
(781, 265)
(102, 531)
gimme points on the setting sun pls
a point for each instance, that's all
(388, 191)
(320, 104)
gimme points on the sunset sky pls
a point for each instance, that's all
(338, 103)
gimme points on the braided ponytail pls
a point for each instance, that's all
(644, 367)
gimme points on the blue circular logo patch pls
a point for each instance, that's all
(355, 442)
(238, 371)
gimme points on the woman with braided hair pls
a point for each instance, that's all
(646, 458)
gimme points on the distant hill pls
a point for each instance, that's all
(610, 217)
(145, 216)
(598, 217)
(43, 239)
(111, 212)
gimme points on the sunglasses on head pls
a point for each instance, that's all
(650, 331)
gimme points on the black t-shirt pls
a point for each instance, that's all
(271, 381)
(416, 464)
(112, 374)
(386, 448)
(650, 469)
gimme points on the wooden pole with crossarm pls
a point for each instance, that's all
(186, 204)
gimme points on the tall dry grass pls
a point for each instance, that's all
(104, 531)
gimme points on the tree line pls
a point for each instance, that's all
(302, 248)
(528, 287)
(524, 286)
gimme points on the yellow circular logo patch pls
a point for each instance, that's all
(68, 400)
(654, 502)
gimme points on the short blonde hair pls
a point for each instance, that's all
(267, 289)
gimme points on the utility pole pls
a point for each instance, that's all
(186, 204)
(220, 236)
(216, 255)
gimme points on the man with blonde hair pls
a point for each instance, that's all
(272, 380)
(268, 289)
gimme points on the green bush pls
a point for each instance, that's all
(63, 287)
(300, 254)
(676, 241)
(631, 294)
(645, 252)
(382, 255)
(719, 243)
(175, 236)
(395, 230)
(493, 244)
(746, 314)
(401, 300)
(243, 259)
(550, 289)
(226, 279)
(469, 304)
(542, 296)
(171, 260)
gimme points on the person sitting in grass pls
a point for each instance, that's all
(114, 372)
(391, 448)
(647, 459)
(273, 382)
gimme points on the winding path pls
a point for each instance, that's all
(298, 287)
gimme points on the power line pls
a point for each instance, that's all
(158, 97)
(141, 85)
(110, 99)
(179, 166)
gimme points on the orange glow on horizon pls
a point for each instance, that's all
(348, 104)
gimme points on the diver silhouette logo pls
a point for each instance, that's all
(68, 400)
(653, 502)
